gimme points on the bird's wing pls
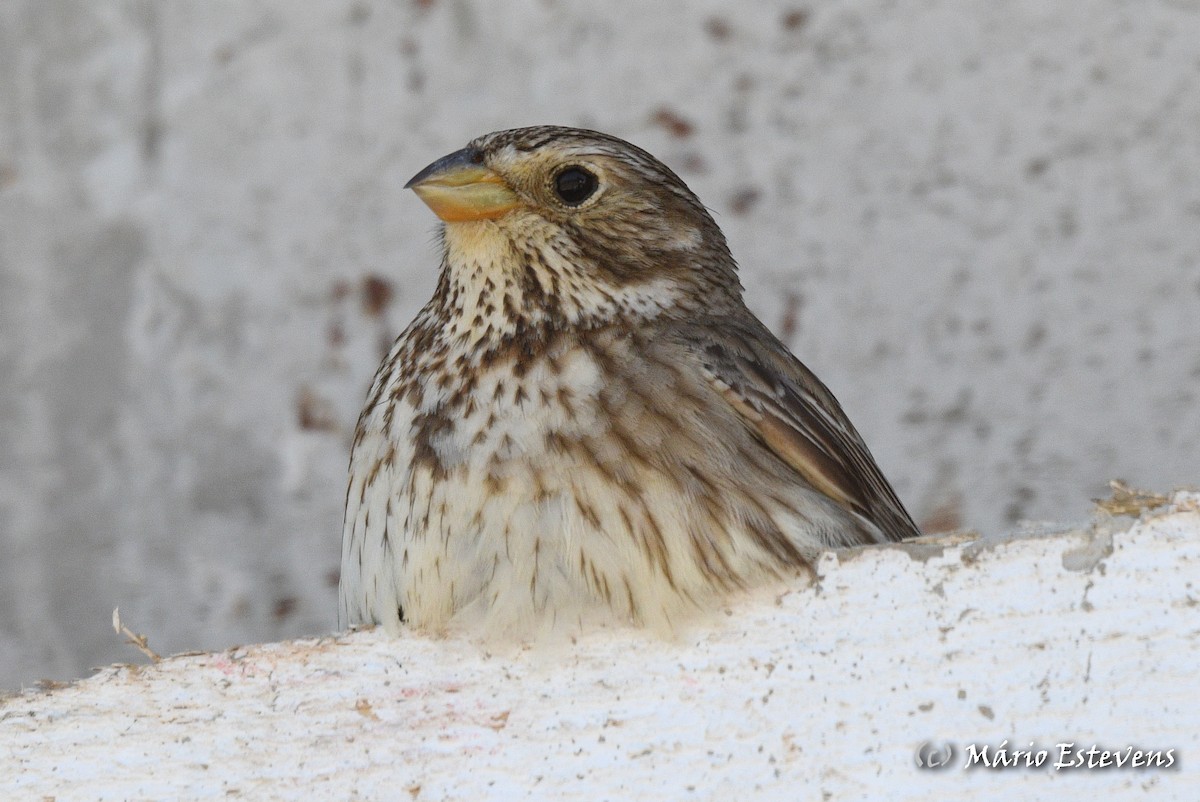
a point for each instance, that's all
(789, 410)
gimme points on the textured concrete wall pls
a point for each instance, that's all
(978, 221)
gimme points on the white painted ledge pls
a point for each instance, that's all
(1088, 635)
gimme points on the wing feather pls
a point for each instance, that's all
(789, 410)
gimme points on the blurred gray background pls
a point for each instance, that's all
(978, 221)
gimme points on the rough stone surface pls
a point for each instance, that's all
(1083, 637)
(979, 222)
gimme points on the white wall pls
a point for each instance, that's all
(979, 222)
(1086, 637)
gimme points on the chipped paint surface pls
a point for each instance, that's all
(827, 690)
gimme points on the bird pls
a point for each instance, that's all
(586, 425)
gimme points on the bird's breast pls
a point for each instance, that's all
(513, 411)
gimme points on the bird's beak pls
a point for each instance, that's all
(459, 187)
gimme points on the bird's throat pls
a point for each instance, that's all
(493, 289)
(489, 289)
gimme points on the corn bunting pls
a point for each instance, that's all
(586, 422)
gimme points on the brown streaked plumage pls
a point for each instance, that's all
(586, 423)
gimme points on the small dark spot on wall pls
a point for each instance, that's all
(795, 19)
(1036, 167)
(376, 295)
(152, 133)
(336, 335)
(1067, 224)
(8, 175)
(675, 124)
(957, 412)
(1022, 498)
(359, 14)
(718, 28)
(284, 607)
(314, 413)
(1145, 356)
(333, 577)
(224, 54)
(339, 290)
(1035, 336)
(694, 163)
(408, 46)
(424, 4)
(744, 200)
(793, 302)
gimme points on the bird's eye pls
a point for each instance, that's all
(575, 185)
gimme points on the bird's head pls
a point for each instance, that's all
(573, 227)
